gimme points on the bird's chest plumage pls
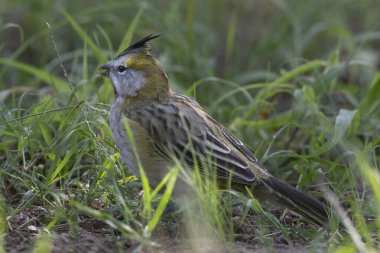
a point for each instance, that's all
(120, 137)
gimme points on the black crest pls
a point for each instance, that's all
(140, 46)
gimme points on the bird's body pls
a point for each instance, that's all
(168, 127)
(152, 126)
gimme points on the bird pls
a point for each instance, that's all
(169, 127)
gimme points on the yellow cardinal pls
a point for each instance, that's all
(170, 127)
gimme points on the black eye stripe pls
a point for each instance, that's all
(121, 68)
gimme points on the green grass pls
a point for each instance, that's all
(298, 81)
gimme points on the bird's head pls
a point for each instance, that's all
(136, 75)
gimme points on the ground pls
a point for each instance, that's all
(93, 235)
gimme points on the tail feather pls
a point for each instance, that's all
(298, 201)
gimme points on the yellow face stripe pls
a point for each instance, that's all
(138, 62)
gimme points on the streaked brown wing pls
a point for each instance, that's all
(181, 132)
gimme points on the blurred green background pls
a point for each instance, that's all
(239, 41)
(243, 41)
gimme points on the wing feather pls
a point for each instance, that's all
(181, 128)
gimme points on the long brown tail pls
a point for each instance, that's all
(300, 202)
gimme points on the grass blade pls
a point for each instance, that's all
(131, 29)
(39, 73)
(97, 51)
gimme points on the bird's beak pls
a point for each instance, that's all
(104, 70)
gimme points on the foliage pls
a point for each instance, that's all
(298, 81)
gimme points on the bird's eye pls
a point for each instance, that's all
(121, 68)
